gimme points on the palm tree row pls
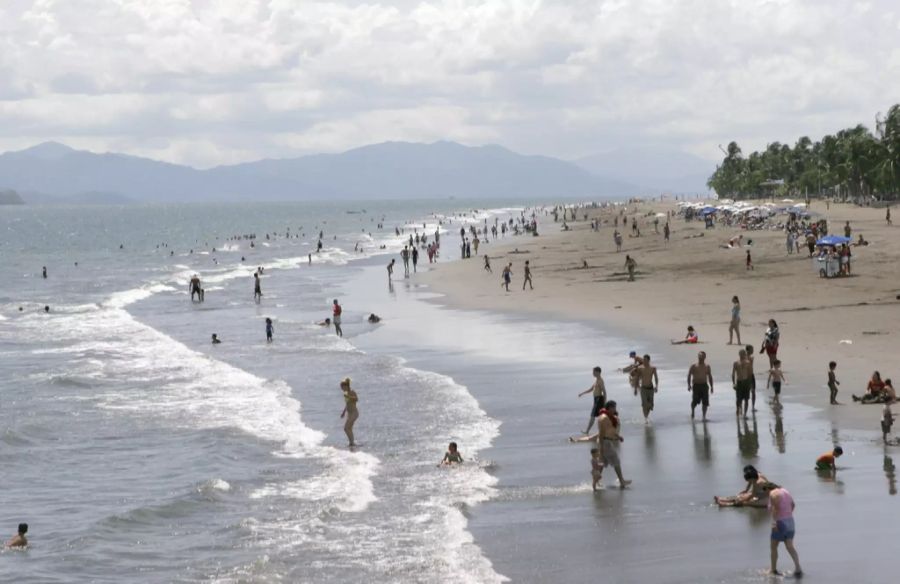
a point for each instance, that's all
(852, 164)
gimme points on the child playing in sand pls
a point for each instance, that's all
(452, 456)
(827, 460)
(833, 383)
(690, 338)
(776, 377)
(596, 468)
(887, 420)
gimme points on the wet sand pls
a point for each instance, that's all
(544, 524)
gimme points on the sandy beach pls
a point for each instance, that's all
(690, 281)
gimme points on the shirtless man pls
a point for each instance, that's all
(608, 438)
(631, 370)
(599, 391)
(195, 288)
(700, 384)
(649, 381)
(740, 376)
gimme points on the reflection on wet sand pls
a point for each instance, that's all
(778, 431)
(748, 440)
(890, 473)
(702, 443)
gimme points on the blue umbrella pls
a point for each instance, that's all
(833, 240)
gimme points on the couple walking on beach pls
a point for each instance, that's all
(506, 276)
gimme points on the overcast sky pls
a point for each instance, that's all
(219, 81)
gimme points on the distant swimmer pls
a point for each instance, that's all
(19, 540)
(44, 272)
(350, 412)
(326, 322)
(195, 288)
(257, 291)
(46, 309)
(215, 339)
(336, 315)
(270, 330)
(374, 318)
(452, 456)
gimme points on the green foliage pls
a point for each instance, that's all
(850, 164)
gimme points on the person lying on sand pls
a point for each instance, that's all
(755, 494)
(690, 338)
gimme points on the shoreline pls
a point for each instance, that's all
(698, 279)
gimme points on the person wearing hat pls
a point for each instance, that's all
(609, 438)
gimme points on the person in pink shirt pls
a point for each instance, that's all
(781, 505)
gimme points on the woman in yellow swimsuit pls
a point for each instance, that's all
(350, 411)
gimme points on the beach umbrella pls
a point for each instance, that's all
(833, 240)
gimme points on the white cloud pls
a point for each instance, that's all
(207, 82)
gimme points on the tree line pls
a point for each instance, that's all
(853, 164)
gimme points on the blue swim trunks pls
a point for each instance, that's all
(783, 530)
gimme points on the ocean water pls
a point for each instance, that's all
(139, 452)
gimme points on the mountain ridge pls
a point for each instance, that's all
(399, 170)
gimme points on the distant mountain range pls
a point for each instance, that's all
(52, 173)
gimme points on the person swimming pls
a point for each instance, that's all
(215, 339)
(326, 322)
(452, 456)
(374, 318)
(19, 540)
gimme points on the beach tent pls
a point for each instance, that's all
(708, 210)
(833, 240)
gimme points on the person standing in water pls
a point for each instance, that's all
(257, 291)
(630, 265)
(735, 327)
(270, 330)
(390, 268)
(195, 288)
(415, 258)
(44, 272)
(350, 412)
(833, 383)
(609, 439)
(336, 318)
(598, 389)
(649, 381)
(700, 384)
(527, 276)
(781, 505)
(750, 360)
(740, 377)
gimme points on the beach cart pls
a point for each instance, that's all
(829, 265)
